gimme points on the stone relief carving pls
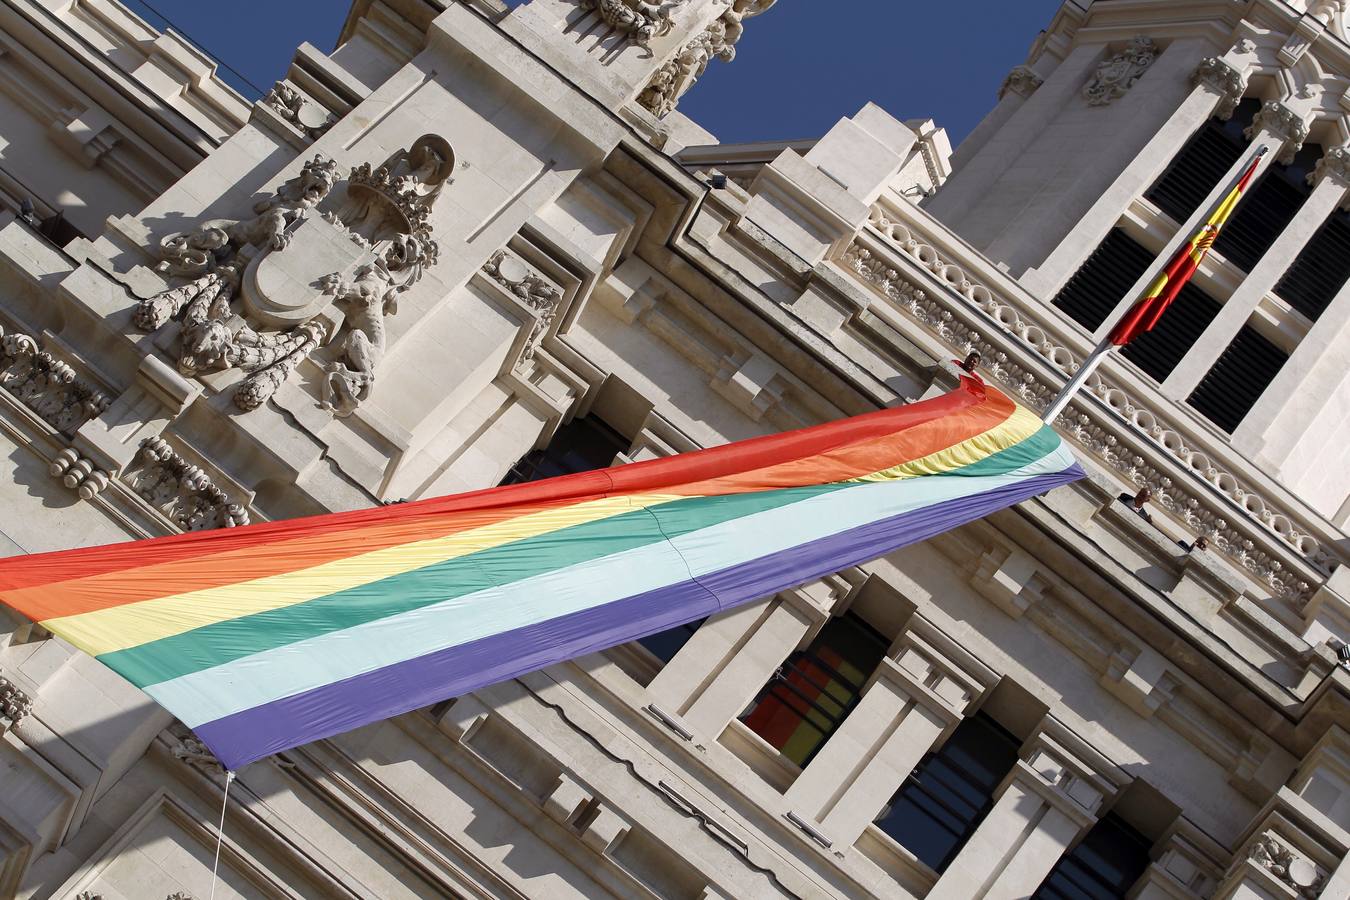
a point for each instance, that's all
(718, 41)
(1115, 76)
(1282, 122)
(538, 292)
(182, 491)
(295, 108)
(1301, 874)
(1334, 164)
(1022, 80)
(1228, 82)
(79, 474)
(88, 895)
(46, 385)
(246, 303)
(1193, 508)
(638, 19)
(14, 704)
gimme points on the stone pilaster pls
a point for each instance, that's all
(1050, 799)
(918, 695)
(1187, 866)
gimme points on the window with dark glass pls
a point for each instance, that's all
(811, 695)
(1104, 865)
(1205, 161)
(579, 446)
(950, 792)
(1237, 380)
(1108, 276)
(1266, 209)
(1321, 270)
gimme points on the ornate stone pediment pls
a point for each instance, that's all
(259, 295)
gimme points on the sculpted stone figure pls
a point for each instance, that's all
(641, 20)
(718, 41)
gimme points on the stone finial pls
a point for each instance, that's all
(1224, 80)
(1115, 76)
(1022, 81)
(1283, 123)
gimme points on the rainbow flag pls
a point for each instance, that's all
(266, 637)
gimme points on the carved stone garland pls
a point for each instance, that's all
(1271, 854)
(1114, 77)
(182, 491)
(1027, 386)
(379, 242)
(718, 41)
(46, 385)
(534, 290)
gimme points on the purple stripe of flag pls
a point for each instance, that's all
(251, 734)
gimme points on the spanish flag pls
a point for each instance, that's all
(1144, 315)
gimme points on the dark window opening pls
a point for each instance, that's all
(1203, 163)
(1237, 380)
(579, 446)
(950, 792)
(1104, 279)
(1104, 865)
(1268, 207)
(1321, 270)
(811, 695)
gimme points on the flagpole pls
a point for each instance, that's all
(1100, 352)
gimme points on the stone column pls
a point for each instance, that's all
(1275, 425)
(1333, 178)
(1219, 85)
(727, 661)
(1049, 800)
(917, 696)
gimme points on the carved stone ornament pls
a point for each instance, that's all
(181, 491)
(533, 289)
(1285, 124)
(260, 295)
(1301, 874)
(718, 41)
(638, 19)
(304, 114)
(1226, 81)
(1335, 164)
(14, 703)
(79, 474)
(1022, 81)
(88, 895)
(46, 385)
(1115, 76)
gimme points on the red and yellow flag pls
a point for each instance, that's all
(1146, 313)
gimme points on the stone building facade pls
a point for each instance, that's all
(1073, 698)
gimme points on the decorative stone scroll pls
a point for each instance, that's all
(531, 288)
(1282, 122)
(260, 295)
(181, 491)
(46, 385)
(1022, 81)
(639, 20)
(933, 312)
(294, 107)
(1115, 76)
(718, 41)
(1223, 79)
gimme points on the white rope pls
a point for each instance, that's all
(220, 833)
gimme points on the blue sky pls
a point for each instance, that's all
(800, 68)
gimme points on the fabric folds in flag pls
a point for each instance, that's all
(1144, 315)
(269, 636)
